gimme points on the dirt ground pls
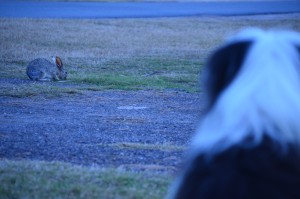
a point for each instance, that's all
(135, 130)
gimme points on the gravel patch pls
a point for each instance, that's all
(138, 130)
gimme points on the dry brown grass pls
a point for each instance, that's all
(123, 51)
(96, 40)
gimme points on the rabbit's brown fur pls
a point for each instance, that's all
(43, 70)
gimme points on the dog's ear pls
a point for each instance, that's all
(223, 66)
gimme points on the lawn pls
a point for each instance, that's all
(164, 53)
(126, 54)
(25, 179)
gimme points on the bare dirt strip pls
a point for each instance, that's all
(138, 130)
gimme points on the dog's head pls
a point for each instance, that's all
(253, 87)
(262, 49)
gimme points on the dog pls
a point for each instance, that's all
(247, 145)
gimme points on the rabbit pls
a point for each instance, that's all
(43, 70)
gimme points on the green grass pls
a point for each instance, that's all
(35, 89)
(141, 73)
(130, 82)
(33, 179)
(126, 74)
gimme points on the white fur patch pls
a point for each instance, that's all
(264, 97)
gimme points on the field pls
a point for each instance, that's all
(121, 123)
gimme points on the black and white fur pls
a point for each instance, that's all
(248, 144)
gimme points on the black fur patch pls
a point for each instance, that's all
(264, 171)
(223, 66)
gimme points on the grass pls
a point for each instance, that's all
(35, 179)
(128, 82)
(34, 89)
(129, 54)
(161, 147)
(142, 73)
(168, 147)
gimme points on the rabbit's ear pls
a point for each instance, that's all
(59, 63)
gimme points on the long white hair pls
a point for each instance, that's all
(262, 99)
